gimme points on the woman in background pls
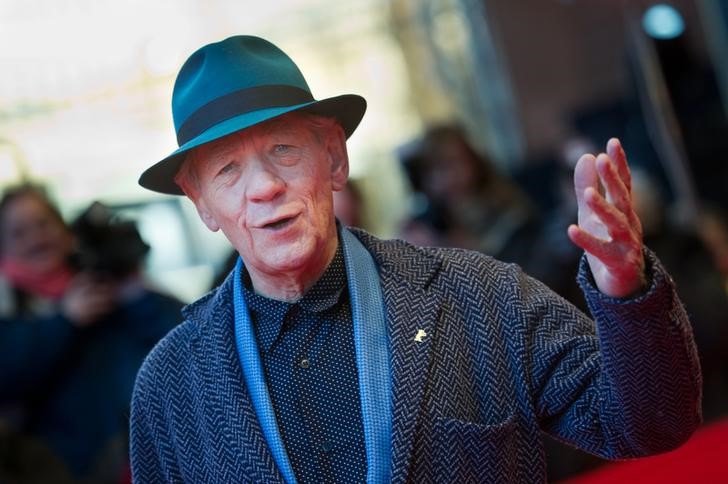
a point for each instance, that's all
(72, 338)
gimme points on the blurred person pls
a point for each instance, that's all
(427, 223)
(349, 205)
(75, 324)
(468, 203)
(713, 230)
(695, 97)
(329, 355)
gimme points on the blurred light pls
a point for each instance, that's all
(8, 172)
(163, 55)
(663, 21)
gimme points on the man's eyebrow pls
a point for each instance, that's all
(276, 126)
(219, 154)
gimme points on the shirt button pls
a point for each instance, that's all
(326, 447)
(304, 363)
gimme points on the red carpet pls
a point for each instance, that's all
(703, 459)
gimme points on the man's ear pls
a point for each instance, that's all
(188, 185)
(339, 159)
(205, 215)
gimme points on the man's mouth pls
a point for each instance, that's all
(280, 223)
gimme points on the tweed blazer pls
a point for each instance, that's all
(504, 359)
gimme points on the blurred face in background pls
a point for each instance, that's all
(32, 234)
(451, 170)
(347, 206)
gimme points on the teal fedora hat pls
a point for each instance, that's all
(234, 84)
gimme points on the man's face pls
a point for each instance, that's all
(269, 189)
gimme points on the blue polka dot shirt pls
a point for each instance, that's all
(307, 350)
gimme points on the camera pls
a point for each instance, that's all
(106, 244)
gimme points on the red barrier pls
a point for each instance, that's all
(703, 459)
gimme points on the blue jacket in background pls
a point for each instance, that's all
(73, 387)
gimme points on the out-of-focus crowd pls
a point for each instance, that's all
(76, 321)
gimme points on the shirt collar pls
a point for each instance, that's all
(270, 314)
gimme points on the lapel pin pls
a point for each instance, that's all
(420, 334)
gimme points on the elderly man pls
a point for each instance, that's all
(329, 355)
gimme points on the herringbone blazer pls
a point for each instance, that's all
(503, 360)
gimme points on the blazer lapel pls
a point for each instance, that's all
(412, 314)
(231, 416)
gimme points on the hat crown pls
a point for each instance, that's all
(233, 64)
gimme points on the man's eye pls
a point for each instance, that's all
(226, 169)
(281, 149)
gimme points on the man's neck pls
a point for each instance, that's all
(291, 286)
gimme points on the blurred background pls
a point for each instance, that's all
(85, 96)
(519, 88)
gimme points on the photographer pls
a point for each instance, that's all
(75, 323)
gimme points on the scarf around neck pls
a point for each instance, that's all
(371, 343)
(49, 285)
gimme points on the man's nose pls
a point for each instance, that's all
(264, 183)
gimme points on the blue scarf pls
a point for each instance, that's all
(372, 358)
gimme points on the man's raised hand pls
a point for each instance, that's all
(608, 228)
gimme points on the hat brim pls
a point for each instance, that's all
(348, 109)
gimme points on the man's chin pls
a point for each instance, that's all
(282, 259)
(303, 253)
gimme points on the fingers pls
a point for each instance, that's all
(608, 229)
(617, 192)
(595, 246)
(609, 174)
(614, 220)
(615, 174)
(609, 253)
(587, 172)
(585, 175)
(616, 152)
(582, 238)
(603, 194)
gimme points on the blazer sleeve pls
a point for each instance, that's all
(626, 384)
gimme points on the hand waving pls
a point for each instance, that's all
(608, 228)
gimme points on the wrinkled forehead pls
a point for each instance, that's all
(292, 124)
